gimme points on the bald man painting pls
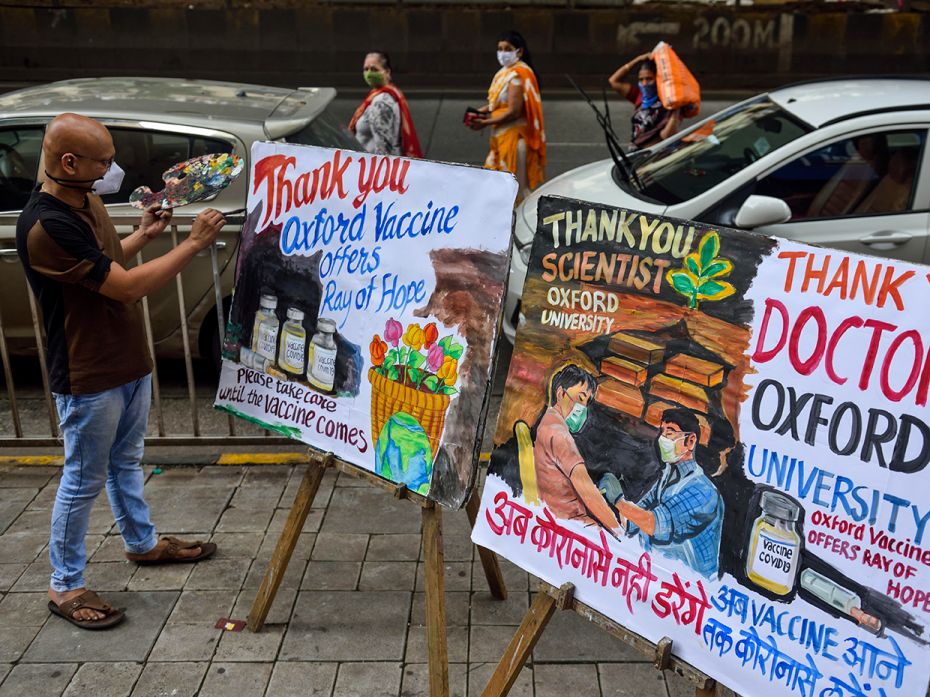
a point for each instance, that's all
(98, 358)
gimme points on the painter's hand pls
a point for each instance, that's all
(206, 227)
(154, 220)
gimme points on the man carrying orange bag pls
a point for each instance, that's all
(664, 94)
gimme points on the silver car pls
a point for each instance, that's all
(155, 123)
(839, 163)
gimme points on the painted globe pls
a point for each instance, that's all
(403, 453)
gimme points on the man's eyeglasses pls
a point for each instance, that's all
(106, 163)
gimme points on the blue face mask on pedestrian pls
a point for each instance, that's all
(650, 94)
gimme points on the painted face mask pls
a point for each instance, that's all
(506, 58)
(667, 449)
(374, 79)
(576, 417)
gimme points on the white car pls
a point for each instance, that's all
(840, 163)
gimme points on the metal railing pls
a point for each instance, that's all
(226, 431)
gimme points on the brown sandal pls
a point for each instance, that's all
(90, 601)
(169, 555)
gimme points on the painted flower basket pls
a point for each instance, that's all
(413, 372)
(389, 397)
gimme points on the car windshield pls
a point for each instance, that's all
(325, 131)
(715, 150)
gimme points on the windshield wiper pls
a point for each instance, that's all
(621, 161)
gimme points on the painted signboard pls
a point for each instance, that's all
(722, 438)
(366, 309)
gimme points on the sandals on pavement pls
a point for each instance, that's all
(169, 555)
(90, 601)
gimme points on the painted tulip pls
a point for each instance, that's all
(435, 357)
(378, 348)
(393, 330)
(414, 337)
(431, 334)
(448, 371)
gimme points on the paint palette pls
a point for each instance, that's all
(190, 181)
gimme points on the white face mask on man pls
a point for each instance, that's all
(111, 181)
(507, 58)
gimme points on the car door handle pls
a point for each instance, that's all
(886, 237)
(220, 244)
(9, 255)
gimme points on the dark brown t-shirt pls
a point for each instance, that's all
(95, 343)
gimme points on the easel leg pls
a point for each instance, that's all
(286, 542)
(434, 577)
(521, 646)
(492, 570)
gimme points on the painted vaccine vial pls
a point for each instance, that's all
(321, 359)
(293, 350)
(775, 545)
(265, 328)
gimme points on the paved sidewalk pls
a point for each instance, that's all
(347, 621)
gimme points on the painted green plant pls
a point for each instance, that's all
(700, 277)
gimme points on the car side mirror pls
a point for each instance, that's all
(757, 211)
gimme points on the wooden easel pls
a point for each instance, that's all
(536, 619)
(432, 551)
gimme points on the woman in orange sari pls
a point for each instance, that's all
(514, 113)
(382, 122)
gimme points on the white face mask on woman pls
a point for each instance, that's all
(507, 58)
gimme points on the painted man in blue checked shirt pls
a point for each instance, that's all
(682, 514)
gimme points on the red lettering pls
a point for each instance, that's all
(762, 355)
(845, 325)
(282, 194)
(924, 386)
(898, 395)
(382, 173)
(399, 175)
(877, 328)
(270, 172)
(807, 367)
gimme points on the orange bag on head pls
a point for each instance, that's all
(676, 85)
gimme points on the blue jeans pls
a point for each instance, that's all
(104, 436)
